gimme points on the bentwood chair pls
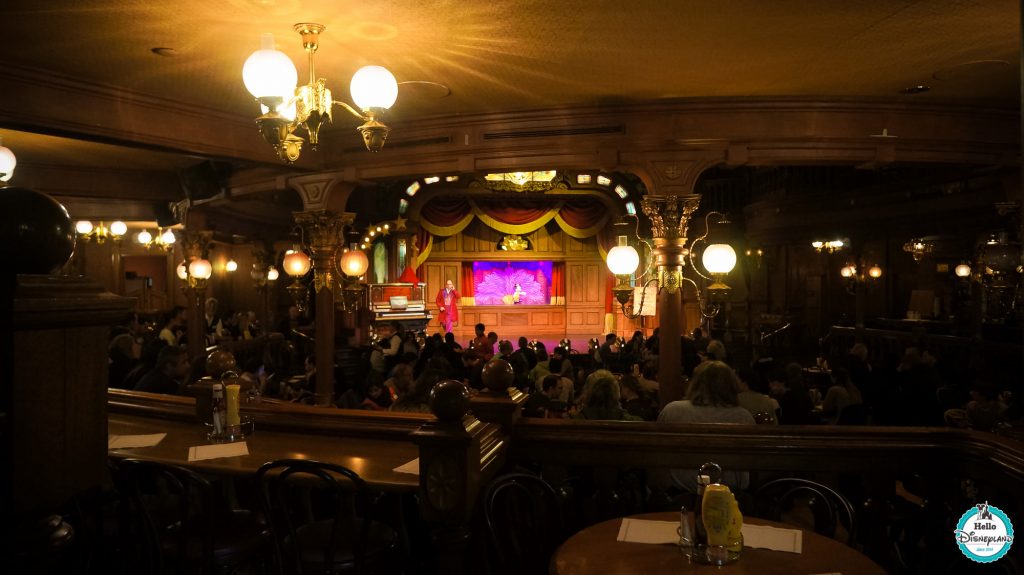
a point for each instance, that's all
(524, 523)
(174, 525)
(829, 510)
(322, 517)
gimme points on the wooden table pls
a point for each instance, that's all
(594, 550)
(373, 459)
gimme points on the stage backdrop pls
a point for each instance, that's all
(494, 283)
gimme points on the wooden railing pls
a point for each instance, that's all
(460, 455)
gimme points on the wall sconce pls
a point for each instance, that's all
(830, 246)
(101, 232)
(918, 248)
(756, 255)
(272, 274)
(963, 270)
(718, 260)
(199, 272)
(352, 263)
(7, 163)
(164, 239)
(852, 275)
(231, 266)
(271, 77)
(297, 264)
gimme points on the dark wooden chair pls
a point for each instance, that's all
(324, 520)
(524, 523)
(829, 510)
(174, 523)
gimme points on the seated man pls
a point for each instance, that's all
(172, 367)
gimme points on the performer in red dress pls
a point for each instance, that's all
(448, 304)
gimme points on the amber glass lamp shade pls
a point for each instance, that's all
(354, 263)
(296, 263)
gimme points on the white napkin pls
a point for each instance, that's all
(412, 467)
(130, 441)
(774, 538)
(646, 531)
(200, 452)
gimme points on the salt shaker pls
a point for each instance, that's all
(685, 530)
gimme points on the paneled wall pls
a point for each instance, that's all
(580, 318)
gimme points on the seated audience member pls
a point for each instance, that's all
(123, 359)
(716, 351)
(540, 401)
(417, 401)
(984, 412)
(400, 382)
(635, 400)
(795, 405)
(602, 399)
(449, 338)
(174, 326)
(609, 354)
(528, 352)
(750, 397)
(699, 341)
(169, 373)
(711, 398)
(649, 378)
(481, 345)
(504, 349)
(840, 395)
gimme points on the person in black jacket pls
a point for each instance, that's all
(172, 367)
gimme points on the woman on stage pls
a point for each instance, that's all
(447, 303)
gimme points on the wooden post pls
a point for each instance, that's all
(458, 455)
(323, 232)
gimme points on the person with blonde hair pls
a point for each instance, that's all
(713, 397)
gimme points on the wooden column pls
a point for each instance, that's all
(53, 407)
(670, 217)
(323, 232)
(196, 245)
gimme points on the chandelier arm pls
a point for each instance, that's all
(354, 112)
(643, 297)
(650, 249)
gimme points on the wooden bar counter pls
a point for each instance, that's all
(373, 459)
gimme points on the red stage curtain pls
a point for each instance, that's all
(517, 213)
(445, 212)
(583, 213)
(558, 283)
(610, 302)
(466, 283)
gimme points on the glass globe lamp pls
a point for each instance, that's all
(269, 73)
(373, 87)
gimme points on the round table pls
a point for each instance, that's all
(594, 551)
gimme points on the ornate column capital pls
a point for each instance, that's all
(323, 231)
(670, 215)
(195, 244)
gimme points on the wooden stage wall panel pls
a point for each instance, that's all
(586, 275)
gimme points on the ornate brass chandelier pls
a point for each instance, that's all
(271, 77)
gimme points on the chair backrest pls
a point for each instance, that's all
(169, 514)
(829, 509)
(524, 522)
(301, 492)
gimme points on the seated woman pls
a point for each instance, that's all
(711, 398)
(602, 400)
(840, 395)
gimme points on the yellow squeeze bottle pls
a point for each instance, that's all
(735, 526)
(716, 511)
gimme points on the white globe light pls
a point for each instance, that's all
(296, 263)
(182, 271)
(719, 258)
(373, 87)
(168, 237)
(623, 260)
(269, 72)
(200, 268)
(144, 237)
(231, 266)
(7, 163)
(354, 263)
(273, 274)
(962, 270)
(83, 226)
(848, 271)
(875, 272)
(119, 228)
